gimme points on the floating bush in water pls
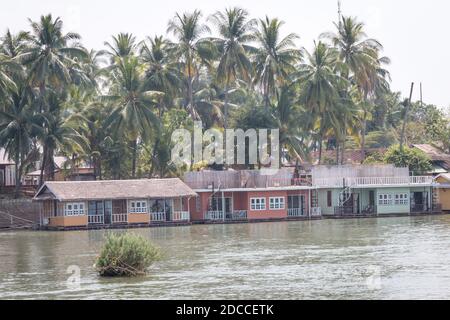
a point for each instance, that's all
(126, 255)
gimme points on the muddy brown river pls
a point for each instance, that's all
(385, 258)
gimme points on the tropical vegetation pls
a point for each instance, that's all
(115, 108)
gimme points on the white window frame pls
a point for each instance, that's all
(74, 209)
(258, 204)
(401, 199)
(138, 206)
(277, 203)
(385, 199)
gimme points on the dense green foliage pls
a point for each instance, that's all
(417, 161)
(116, 108)
(125, 255)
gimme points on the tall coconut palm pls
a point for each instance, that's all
(56, 133)
(358, 55)
(7, 83)
(16, 129)
(235, 31)
(378, 84)
(123, 45)
(275, 58)
(14, 45)
(191, 50)
(161, 72)
(292, 136)
(320, 89)
(49, 53)
(132, 115)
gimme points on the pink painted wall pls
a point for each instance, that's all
(241, 201)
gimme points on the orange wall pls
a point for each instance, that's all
(138, 218)
(444, 199)
(77, 221)
(267, 214)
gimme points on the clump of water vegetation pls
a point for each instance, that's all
(126, 255)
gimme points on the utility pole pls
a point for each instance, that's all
(405, 119)
(421, 98)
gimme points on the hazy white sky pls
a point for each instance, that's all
(415, 34)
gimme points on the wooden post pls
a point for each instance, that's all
(223, 205)
(310, 203)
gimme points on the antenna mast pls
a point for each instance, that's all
(339, 11)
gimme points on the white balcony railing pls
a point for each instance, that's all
(120, 218)
(214, 215)
(239, 215)
(316, 212)
(96, 219)
(158, 216)
(372, 181)
(296, 212)
(180, 216)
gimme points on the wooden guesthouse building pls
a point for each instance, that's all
(97, 204)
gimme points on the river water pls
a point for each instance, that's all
(385, 258)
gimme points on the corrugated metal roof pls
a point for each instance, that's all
(4, 157)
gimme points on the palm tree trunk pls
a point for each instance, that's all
(50, 172)
(152, 168)
(344, 139)
(43, 164)
(100, 175)
(97, 168)
(320, 149)
(190, 91)
(134, 157)
(225, 108)
(266, 97)
(17, 186)
(191, 98)
(17, 167)
(337, 151)
(363, 137)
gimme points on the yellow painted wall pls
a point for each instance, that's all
(138, 218)
(444, 199)
(77, 221)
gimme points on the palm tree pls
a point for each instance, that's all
(14, 45)
(161, 72)
(275, 58)
(320, 89)
(7, 84)
(132, 115)
(123, 45)
(292, 136)
(358, 55)
(57, 133)
(16, 129)
(378, 85)
(49, 53)
(191, 50)
(235, 32)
